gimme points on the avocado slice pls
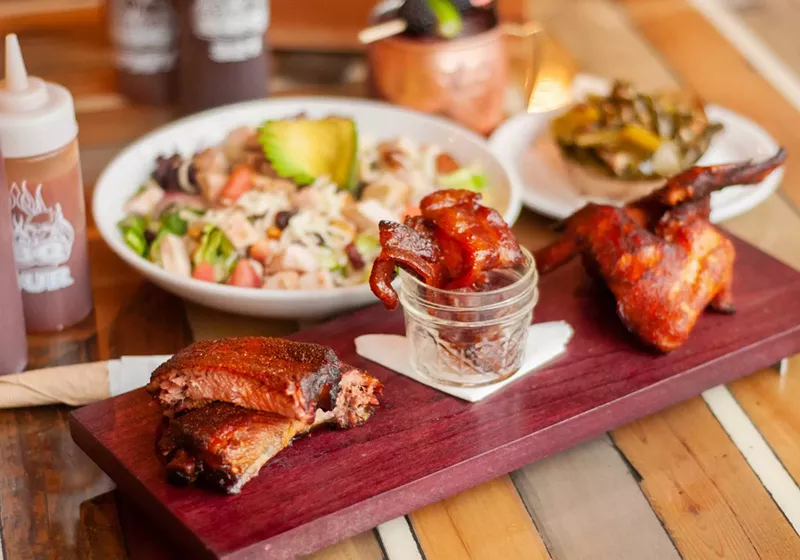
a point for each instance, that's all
(304, 149)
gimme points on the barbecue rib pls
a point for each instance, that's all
(273, 390)
(223, 446)
(288, 378)
(660, 256)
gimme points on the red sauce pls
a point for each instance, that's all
(50, 238)
(13, 345)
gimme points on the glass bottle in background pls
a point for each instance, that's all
(13, 344)
(222, 57)
(38, 135)
(145, 37)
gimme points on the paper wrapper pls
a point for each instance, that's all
(546, 341)
(77, 384)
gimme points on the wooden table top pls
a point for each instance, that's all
(714, 477)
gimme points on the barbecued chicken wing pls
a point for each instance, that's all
(660, 256)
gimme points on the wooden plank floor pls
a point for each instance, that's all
(671, 485)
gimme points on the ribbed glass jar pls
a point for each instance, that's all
(470, 338)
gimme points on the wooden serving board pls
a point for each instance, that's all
(422, 445)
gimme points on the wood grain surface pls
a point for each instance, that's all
(587, 503)
(691, 470)
(488, 521)
(771, 402)
(604, 380)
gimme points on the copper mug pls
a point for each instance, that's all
(463, 78)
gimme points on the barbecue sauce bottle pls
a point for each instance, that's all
(13, 345)
(222, 57)
(145, 37)
(38, 135)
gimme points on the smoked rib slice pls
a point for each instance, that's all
(287, 378)
(223, 446)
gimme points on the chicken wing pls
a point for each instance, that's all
(660, 256)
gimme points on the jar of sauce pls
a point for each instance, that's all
(13, 345)
(222, 57)
(38, 135)
(145, 37)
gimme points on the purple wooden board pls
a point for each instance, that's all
(422, 445)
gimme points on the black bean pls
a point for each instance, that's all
(191, 173)
(282, 218)
(359, 190)
(166, 172)
(354, 256)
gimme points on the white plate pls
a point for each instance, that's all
(547, 190)
(132, 166)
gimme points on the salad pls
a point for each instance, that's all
(294, 204)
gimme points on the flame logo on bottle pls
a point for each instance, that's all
(42, 238)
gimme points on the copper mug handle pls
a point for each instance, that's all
(529, 30)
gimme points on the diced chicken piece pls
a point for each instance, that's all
(345, 230)
(304, 198)
(367, 169)
(211, 168)
(211, 185)
(146, 201)
(395, 154)
(273, 184)
(175, 255)
(285, 280)
(317, 280)
(239, 231)
(264, 251)
(236, 141)
(367, 214)
(389, 191)
(211, 159)
(294, 257)
(391, 157)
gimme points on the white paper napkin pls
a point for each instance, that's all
(131, 372)
(546, 341)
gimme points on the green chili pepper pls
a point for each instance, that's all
(133, 221)
(173, 223)
(132, 229)
(135, 240)
(216, 250)
(464, 178)
(154, 254)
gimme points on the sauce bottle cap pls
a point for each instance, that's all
(36, 117)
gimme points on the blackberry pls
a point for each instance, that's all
(419, 16)
(431, 17)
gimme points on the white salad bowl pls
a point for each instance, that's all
(376, 121)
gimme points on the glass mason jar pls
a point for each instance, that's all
(470, 338)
